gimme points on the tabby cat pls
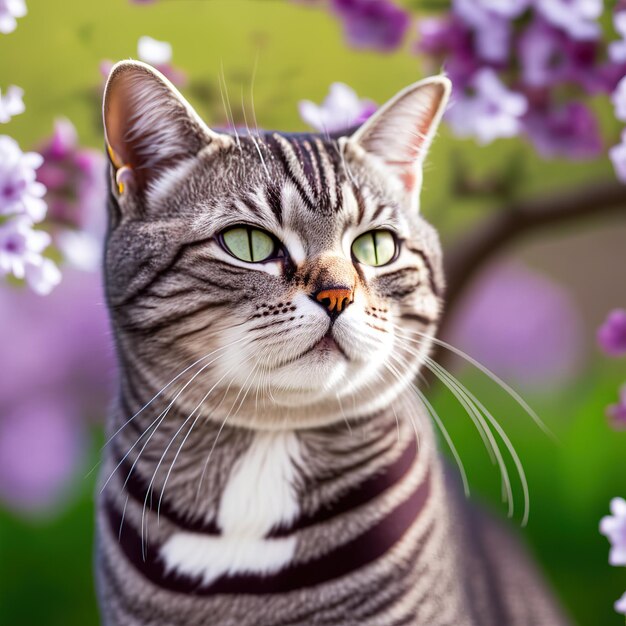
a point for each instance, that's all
(273, 297)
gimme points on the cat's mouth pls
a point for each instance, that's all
(326, 345)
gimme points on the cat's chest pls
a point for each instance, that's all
(259, 495)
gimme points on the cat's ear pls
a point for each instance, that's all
(148, 125)
(401, 131)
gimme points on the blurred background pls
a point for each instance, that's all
(528, 303)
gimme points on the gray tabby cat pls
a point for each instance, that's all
(273, 297)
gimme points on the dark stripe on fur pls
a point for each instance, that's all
(344, 560)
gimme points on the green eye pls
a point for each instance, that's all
(249, 244)
(376, 248)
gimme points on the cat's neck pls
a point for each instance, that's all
(193, 462)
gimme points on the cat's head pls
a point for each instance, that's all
(295, 269)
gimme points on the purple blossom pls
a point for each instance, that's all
(576, 17)
(75, 179)
(20, 193)
(57, 367)
(9, 11)
(11, 104)
(451, 40)
(617, 49)
(522, 326)
(569, 131)
(491, 22)
(613, 527)
(549, 57)
(619, 100)
(341, 109)
(617, 412)
(375, 24)
(488, 111)
(20, 255)
(611, 335)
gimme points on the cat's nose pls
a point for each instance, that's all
(334, 300)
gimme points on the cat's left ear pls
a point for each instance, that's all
(401, 131)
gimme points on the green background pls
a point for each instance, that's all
(45, 563)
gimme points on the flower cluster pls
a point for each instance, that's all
(375, 24)
(21, 207)
(76, 185)
(515, 66)
(521, 67)
(611, 338)
(613, 527)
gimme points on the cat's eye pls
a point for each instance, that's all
(249, 244)
(376, 248)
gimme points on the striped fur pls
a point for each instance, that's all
(269, 464)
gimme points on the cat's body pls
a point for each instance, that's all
(289, 475)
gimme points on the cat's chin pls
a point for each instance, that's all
(318, 372)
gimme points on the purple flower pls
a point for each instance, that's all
(20, 255)
(613, 527)
(341, 109)
(570, 131)
(20, 193)
(617, 154)
(489, 111)
(57, 367)
(491, 22)
(549, 57)
(576, 17)
(441, 35)
(620, 605)
(452, 40)
(11, 104)
(522, 326)
(9, 10)
(611, 335)
(375, 24)
(617, 412)
(75, 179)
(617, 49)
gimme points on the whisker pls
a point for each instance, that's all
(251, 136)
(219, 432)
(204, 398)
(459, 393)
(493, 376)
(444, 431)
(164, 414)
(226, 102)
(505, 439)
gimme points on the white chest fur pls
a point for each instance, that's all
(260, 494)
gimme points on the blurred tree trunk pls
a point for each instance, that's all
(467, 256)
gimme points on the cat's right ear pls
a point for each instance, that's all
(149, 126)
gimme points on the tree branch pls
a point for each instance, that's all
(465, 258)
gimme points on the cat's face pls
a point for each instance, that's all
(292, 268)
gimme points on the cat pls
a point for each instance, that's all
(273, 297)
